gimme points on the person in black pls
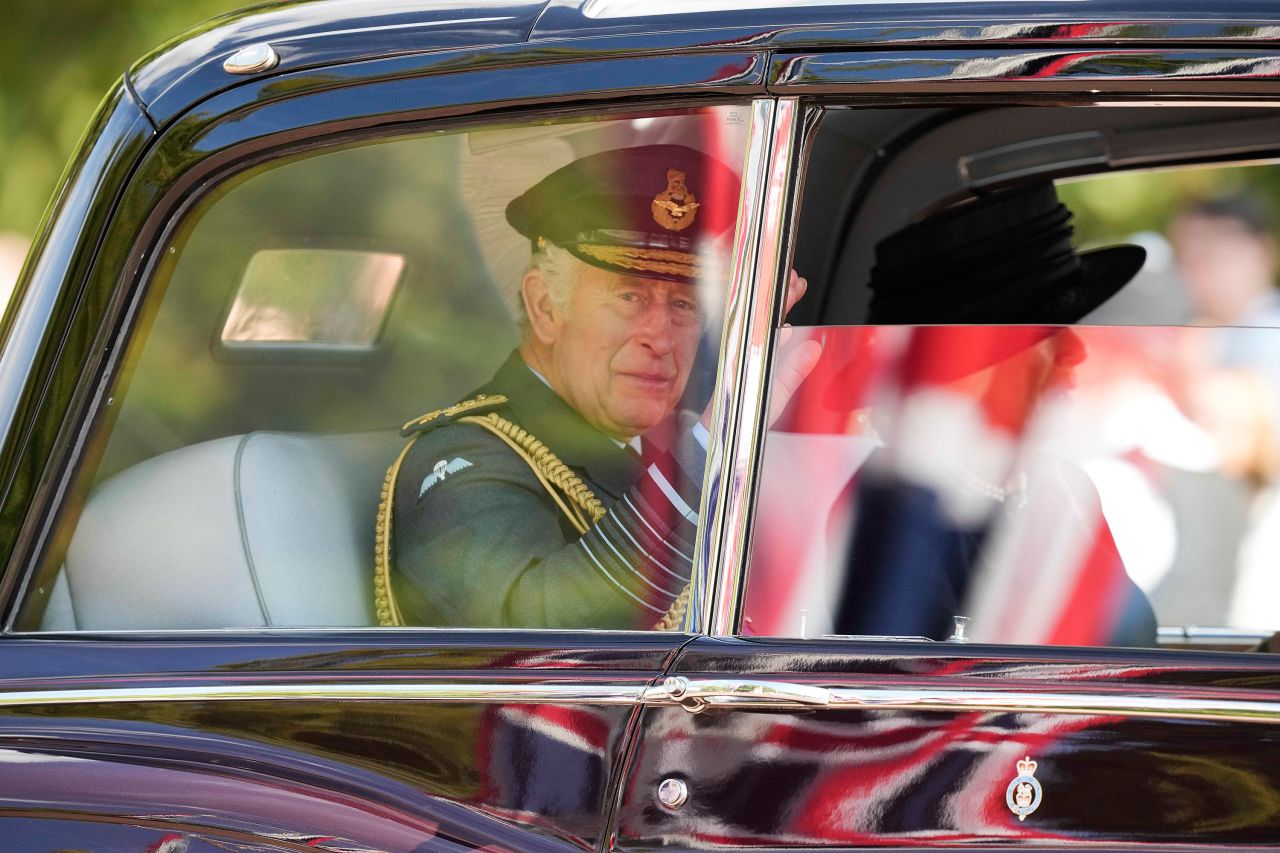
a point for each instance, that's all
(922, 532)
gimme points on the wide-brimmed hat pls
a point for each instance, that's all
(642, 211)
(1006, 258)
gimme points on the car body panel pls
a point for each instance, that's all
(371, 768)
(311, 35)
(447, 740)
(308, 34)
(47, 292)
(827, 777)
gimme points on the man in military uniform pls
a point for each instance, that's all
(533, 502)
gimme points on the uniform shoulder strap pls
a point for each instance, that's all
(478, 404)
(555, 475)
(384, 598)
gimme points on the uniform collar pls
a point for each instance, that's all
(541, 411)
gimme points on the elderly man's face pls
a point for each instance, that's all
(622, 351)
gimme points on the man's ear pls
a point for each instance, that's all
(539, 306)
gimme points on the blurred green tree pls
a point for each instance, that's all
(57, 60)
(1113, 207)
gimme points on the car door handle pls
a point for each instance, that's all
(698, 694)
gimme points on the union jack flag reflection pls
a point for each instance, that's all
(940, 478)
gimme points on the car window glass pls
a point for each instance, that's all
(445, 379)
(1053, 419)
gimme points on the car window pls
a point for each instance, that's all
(448, 379)
(1051, 415)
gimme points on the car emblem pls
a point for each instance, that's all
(440, 471)
(675, 207)
(1023, 795)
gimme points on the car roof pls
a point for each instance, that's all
(308, 34)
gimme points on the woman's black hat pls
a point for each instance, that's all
(1006, 258)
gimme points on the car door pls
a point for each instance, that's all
(787, 729)
(160, 689)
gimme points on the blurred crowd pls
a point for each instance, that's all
(1062, 481)
(1199, 527)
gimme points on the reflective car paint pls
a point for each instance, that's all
(519, 775)
(47, 292)
(1106, 70)
(312, 34)
(837, 778)
(374, 774)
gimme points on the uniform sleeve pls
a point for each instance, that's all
(486, 546)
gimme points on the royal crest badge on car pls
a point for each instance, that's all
(1023, 796)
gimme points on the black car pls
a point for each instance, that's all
(970, 576)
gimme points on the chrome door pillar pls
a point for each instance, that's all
(752, 309)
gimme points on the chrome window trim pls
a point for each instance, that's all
(557, 694)
(697, 695)
(344, 633)
(1091, 71)
(741, 388)
(714, 694)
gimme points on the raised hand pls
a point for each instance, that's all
(793, 361)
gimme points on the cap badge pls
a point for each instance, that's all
(675, 207)
(1024, 794)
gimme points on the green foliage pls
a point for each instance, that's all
(57, 61)
(1112, 207)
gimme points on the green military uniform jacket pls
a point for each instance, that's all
(479, 539)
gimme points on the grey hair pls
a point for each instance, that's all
(560, 271)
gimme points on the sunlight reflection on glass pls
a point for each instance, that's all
(313, 296)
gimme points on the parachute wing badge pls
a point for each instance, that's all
(440, 471)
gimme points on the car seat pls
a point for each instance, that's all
(265, 529)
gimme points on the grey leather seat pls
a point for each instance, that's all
(263, 529)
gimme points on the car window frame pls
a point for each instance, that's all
(852, 91)
(158, 200)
